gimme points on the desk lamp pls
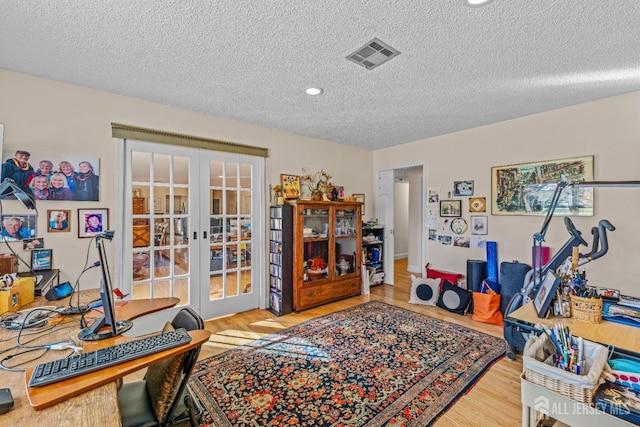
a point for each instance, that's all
(10, 188)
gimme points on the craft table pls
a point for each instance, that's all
(539, 399)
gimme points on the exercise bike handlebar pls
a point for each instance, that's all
(603, 226)
(595, 244)
(574, 231)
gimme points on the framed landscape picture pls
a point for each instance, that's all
(450, 208)
(528, 188)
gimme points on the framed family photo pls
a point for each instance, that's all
(92, 222)
(58, 220)
(18, 227)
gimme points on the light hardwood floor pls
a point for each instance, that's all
(494, 401)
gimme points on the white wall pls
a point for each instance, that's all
(608, 129)
(48, 116)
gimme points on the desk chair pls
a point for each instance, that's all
(162, 398)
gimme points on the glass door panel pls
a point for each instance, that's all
(345, 237)
(230, 221)
(316, 244)
(160, 245)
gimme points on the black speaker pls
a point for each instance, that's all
(476, 273)
(63, 290)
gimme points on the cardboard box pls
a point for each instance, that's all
(10, 299)
(27, 288)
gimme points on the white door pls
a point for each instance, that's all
(171, 195)
(231, 248)
(384, 211)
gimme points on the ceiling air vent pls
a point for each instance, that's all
(373, 54)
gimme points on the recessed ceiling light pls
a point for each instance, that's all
(313, 91)
(476, 3)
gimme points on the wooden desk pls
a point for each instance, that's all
(95, 407)
(46, 396)
(620, 336)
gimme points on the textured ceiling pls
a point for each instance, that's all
(459, 67)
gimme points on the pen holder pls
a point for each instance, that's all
(586, 309)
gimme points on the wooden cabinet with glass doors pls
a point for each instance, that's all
(327, 244)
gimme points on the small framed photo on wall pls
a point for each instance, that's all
(18, 227)
(41, 259)
(463, 188)
(92, 222)
(31, 244)
(58, 220)
(450, 208)
(479, 225)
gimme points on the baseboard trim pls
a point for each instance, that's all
(400, 256)
(414, 269)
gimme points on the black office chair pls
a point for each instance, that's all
(162, 398)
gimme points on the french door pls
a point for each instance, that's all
(193, 227)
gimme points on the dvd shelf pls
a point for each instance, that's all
(280, 259)
(372, 246)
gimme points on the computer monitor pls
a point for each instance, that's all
(106, 326)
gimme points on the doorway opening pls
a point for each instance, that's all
(399, 206)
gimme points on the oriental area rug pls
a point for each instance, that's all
(371, 365)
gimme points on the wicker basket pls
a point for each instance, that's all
(581, 388)
(586, 309)
(582, 395)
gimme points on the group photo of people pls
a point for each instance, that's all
(48, 176)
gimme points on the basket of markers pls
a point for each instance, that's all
(586, 304)
(562, 363)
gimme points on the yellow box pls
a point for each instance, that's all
(10, 299)
(27, 286)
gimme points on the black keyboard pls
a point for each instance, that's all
(62, 369)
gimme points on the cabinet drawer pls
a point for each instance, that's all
(315, 295)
